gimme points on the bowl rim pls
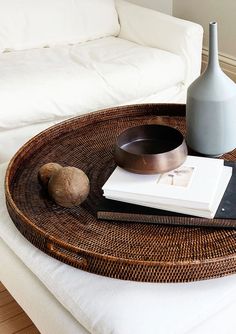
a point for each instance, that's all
(150, 154)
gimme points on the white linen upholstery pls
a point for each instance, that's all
(103, 305)
(47, 313)
(40, 87)
(56, 83)
(26, 24)
(12, 139)
(164, 32)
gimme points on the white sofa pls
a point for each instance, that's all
(62, 58)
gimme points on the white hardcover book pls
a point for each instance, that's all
(221, 187)
(192, 185)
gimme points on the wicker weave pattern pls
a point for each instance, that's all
(134, 251)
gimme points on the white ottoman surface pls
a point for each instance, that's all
(104, 305)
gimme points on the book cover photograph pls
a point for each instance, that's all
(179, 177)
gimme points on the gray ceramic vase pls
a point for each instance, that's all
(211, 107)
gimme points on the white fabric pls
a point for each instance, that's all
(40, 87)
(26, 24)
(12, 139)
(105, 306)
(48, 84)
(42, 307)
(151, 28)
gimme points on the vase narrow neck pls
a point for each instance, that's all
(213, 62)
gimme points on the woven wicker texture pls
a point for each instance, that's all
(132, 251)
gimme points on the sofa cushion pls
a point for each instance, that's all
(26, 24)
(48, 84)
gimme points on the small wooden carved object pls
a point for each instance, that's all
(68, 186)
(46, 171)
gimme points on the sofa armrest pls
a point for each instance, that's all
(151, 28)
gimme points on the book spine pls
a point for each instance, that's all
(165, 220)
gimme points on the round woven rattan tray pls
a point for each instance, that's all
(132, 251)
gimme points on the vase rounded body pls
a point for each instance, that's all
(211, 107)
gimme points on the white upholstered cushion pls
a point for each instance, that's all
(104, 306)
(47, 313)
(152, 28)
(48, 84)
(12, 139)
(26, 24)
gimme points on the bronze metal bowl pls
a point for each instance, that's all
(150, 149)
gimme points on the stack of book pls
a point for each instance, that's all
(195, 188)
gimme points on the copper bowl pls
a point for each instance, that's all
(150, 149)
